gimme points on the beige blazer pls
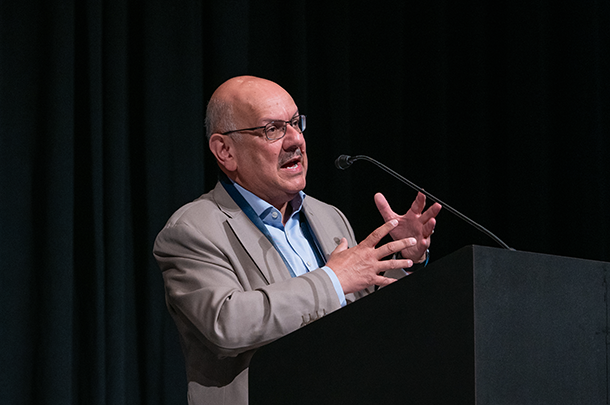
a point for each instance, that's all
(229, 291)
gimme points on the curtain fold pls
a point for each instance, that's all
(499, 109)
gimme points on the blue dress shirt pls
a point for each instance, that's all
(289, 239)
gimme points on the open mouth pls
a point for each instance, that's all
(292, 164)
(291, 161)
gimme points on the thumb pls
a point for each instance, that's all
(341, 246)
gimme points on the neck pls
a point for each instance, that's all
(284, 207)
(286, 212)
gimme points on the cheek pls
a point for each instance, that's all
(255, 157)
(266, 160)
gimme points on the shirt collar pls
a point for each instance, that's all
(262, 208)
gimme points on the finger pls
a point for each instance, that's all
(384, 207)
(383, 281)
(425, 243)
(403, 263)
(395, 246)
(431, 212)
(373, 239)
(419, 203)
(396, 264)
(428, 227)
(341, 246)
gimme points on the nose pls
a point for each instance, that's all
(293, 138)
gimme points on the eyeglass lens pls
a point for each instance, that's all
(277, 129)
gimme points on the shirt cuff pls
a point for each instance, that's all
(336, 284)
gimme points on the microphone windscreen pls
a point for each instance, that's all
(343, 162)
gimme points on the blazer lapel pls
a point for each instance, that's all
(328, 237)
(255, 244)
(325, 235)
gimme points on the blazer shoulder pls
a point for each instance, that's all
(215, 204)
(323, 211)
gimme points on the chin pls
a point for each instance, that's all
(294, 188)
(302, 183)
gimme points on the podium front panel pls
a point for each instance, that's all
(480, 326)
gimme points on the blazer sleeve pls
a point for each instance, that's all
(218, 294)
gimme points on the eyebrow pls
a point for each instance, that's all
(269, 120)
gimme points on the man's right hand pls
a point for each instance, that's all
(359, 267)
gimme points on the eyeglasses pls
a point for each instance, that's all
(277, 129)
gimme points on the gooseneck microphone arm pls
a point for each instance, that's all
(345, 161)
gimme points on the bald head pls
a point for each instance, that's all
(273, 169)
(235, 102)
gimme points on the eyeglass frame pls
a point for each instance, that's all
(301, 125)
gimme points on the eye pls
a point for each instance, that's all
(295, 122)
(273, 127)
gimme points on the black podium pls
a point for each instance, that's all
(480, 326)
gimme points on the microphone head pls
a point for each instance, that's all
(343, 162)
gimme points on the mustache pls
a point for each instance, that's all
(285, 157)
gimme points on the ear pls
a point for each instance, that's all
(223, 148)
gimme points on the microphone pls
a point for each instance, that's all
(345, 161)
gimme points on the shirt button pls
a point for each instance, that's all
(308, 264)
(274, 215)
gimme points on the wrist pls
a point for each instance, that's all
(426, 258)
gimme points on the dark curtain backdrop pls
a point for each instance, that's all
(498, 108)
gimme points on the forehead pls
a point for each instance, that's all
(268, 106)
(258, 100)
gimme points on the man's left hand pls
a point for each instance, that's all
(416, 223)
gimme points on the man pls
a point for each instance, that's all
(255, 259)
